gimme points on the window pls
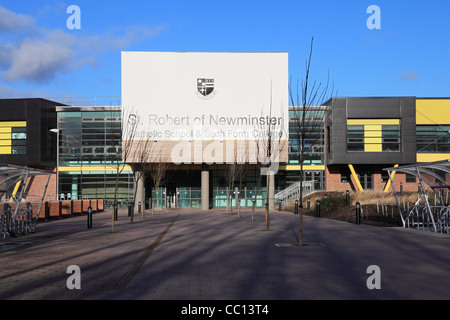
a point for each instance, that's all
(391, 138)
(345, 176)
(433, 138)
(355, 138)
(373, 135)
(410, 178)
(18, 140)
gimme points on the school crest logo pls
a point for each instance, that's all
(205, 88)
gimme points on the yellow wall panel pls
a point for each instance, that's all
(368, 147)
(5, 142)
(5, 150)
(433, 111)
(372, 131)
(296, 167)
(93, 168)
(431, 157)
(373, 138)
(13, 124)
(360, 122)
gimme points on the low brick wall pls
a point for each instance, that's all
(54, 209)
(60, 209)
(77, 207)
(100, 205)
(94, 205)
(86, 205)
(66, 208)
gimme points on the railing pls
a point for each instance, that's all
(292, 193)
(88, 101)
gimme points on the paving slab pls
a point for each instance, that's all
(193, 255)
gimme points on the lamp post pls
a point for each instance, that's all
(57, 161)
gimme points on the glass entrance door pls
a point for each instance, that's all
(171, 200)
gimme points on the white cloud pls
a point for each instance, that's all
(42, 54)
(410, 76)
(11, 22)
(39, 61)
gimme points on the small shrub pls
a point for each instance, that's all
(332, 202)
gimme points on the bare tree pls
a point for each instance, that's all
(141, 155)
(128, 128)
(242, 166)
(270, 147)
(305, 98)
(157, 170)
(230, 176)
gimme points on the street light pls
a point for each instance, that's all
(57, 161)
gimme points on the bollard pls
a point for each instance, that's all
(130, 208)
(347, 198)
(401, 187)
(139, 207)
(116, 215)
(89, 217)
(267, 216)
(296, 207)
(308, 204)
(358, 213)
(279, 206)
(318, 209)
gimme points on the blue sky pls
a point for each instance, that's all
(409, 55)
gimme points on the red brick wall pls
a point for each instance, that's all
(66, 208)
(333, 179)
(86, 204)
(54, 209)
(100, 205)
(94, 205)
(37, 186)
(77, 206)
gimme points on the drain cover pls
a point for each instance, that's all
(282, 245)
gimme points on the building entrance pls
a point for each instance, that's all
(171, 194)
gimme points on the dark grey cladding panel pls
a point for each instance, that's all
(403, 108)
(374, 108)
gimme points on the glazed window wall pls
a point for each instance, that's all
(90, 147)
(433, 139)
(286, 178)
(314, 137)
(244, 191)
(89, 138)
(189, 197)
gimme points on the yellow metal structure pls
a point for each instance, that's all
(388, 184)
(355, 176)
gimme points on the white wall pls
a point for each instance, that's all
(250, 89)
